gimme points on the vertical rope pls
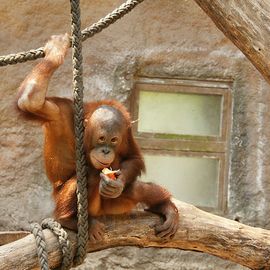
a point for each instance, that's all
(82, 203)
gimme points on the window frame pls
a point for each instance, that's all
(189, 145)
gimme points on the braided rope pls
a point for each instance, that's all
(95, 28)
(36, 230)
(112, 17)
(21, 57)
(63, 240)
(82, 200)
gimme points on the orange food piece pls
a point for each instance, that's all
(109, 173)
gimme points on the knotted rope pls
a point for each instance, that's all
(36, 230)
(95, 28)
(62, 236)
(63, 240)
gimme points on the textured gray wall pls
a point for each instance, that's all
(159, 38)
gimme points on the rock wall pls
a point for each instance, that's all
(168, 38)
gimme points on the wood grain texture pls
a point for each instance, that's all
(246, 23)
(199, 230)
(10, 236)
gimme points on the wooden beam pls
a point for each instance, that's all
(247, 24)
(10, 236)
(199, 230)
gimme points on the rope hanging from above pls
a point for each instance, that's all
(95, 28)
(81, 170)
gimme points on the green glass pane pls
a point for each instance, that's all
(180, 113)
(190, 179)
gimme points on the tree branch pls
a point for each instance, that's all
(198, 230)
(246, 24)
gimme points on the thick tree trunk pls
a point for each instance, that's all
(247, 24)
(198, 230)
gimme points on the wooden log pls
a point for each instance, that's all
(10, 236)
(198, 230)
(246, 23)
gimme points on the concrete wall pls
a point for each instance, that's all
(168, 38)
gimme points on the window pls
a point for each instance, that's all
(183, 129)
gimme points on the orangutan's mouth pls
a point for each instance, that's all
(102, 163)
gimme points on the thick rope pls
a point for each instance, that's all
(95, 28)
(36, 230)
(63, 240)
(82, 201)
(112, 17)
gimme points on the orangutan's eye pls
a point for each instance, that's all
(101, 139)
(114, 140)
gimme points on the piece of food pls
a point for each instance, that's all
(109, 173)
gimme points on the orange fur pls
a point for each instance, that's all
(59, 154)
(56, 114)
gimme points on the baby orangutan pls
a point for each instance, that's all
(108, 143)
